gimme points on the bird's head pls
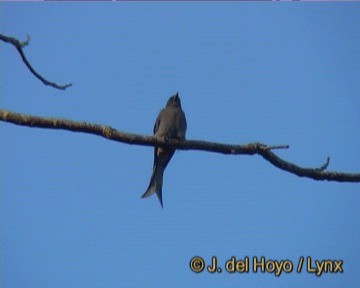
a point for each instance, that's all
(174, 101)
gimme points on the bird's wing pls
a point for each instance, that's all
(156, 128)
(157, 122)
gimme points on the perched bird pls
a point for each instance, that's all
(170, 124)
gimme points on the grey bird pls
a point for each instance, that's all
(170, 124)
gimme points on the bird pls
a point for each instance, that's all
(170, 124)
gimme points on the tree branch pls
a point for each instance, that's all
(134, 139)
(19, 47)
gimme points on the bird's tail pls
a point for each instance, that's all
(155, 185)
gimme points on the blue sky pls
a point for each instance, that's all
(285, 73)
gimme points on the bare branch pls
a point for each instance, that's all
(19, 47)
(134, 139)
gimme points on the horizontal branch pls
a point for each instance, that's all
(19, 47)
(134, 139)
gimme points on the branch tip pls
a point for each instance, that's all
(324, 166)
(25, 43)
(273, 147)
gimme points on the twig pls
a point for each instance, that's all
(248, 149)
(19, 47)
(325, 165)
